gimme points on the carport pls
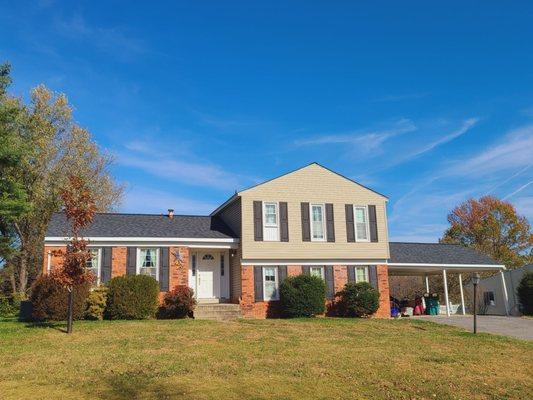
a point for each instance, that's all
(425, 259)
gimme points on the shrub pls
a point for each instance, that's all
(178, 303)
(96, 303)
(7, 308)
(358, 300)
(302, 296)
(132, 297)
(50, 300)
(525, 293)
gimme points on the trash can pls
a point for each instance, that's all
(432, 304)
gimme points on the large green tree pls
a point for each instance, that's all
(54, 146)
(493, 227)
(13, 198)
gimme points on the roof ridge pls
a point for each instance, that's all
(147, 214)
(438, 243)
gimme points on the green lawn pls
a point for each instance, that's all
(321, 358)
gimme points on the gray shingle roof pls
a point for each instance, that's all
(436, 253)
(146, 225)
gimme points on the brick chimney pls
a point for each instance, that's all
(170, 213)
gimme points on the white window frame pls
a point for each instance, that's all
(324, 228)
(139, 261)
(367, 223)
(99, 261)
(322, 271)
(270, 225)
(276, 274)
(367, 274)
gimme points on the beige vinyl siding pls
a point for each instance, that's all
(235, 274)
(313, 184)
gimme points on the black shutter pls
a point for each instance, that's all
(351, 273)
(163, 269)
(105, 272)
(131, 261)
(284, 222)
(373, 276)
(373, 223)
(282, 273)
(305, 269)
(258, 282)
(350, 227)
(328, 274)
(306, 227)
(258, 221)
(330, 224)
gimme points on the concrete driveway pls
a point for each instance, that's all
(521, 328)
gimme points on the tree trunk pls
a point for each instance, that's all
(70, 308)
(23, 274)
(13, 280)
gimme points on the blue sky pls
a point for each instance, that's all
(428, 104)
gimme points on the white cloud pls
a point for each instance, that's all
(364, 141)
(513, 151)
(148, 200)
(190, 173)
(518, 190)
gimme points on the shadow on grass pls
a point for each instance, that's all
(59, 326)
(140, 384)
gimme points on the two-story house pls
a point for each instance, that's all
(309, 221)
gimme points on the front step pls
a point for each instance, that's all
(217, 312)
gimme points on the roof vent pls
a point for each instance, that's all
(170, 213)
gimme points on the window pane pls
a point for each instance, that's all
(270, 214)
(360, 215)
(318, 222)
(270, 284)
(317, 271)
(361, 274)
(148, 262)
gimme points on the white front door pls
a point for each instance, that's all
(208, 275)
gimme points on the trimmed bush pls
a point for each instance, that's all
(132, 297)
(358, 300)
(50, 300)
(525, 293)
(96, 303)
(178, 303)
(302, 296)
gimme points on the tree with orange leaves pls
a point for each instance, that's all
(79, 209)
(493, 227)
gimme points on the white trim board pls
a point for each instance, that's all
(496, 266)
(142, 239)
(312, 262)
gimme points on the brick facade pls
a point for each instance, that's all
(264, 309)
(118, 261)
(179, 267)
(55, 260)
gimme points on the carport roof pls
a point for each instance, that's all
(432, 258)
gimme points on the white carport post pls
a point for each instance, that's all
(462, 294)
(505, 295)
(427, 284)
(446, 292)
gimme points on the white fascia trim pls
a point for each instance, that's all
(313, 262)
(142, 239)
(495, 266)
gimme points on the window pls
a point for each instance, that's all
(317, 222)
(208, 257)
(147, 263)
(270, 222)
(361, 274)
(222, 264)
(488, 298)
(93, 264)
(361, 224)
(270, 283)
(317, 271)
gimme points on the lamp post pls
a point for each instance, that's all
(475, 282)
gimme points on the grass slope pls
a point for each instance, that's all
(321, 358)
